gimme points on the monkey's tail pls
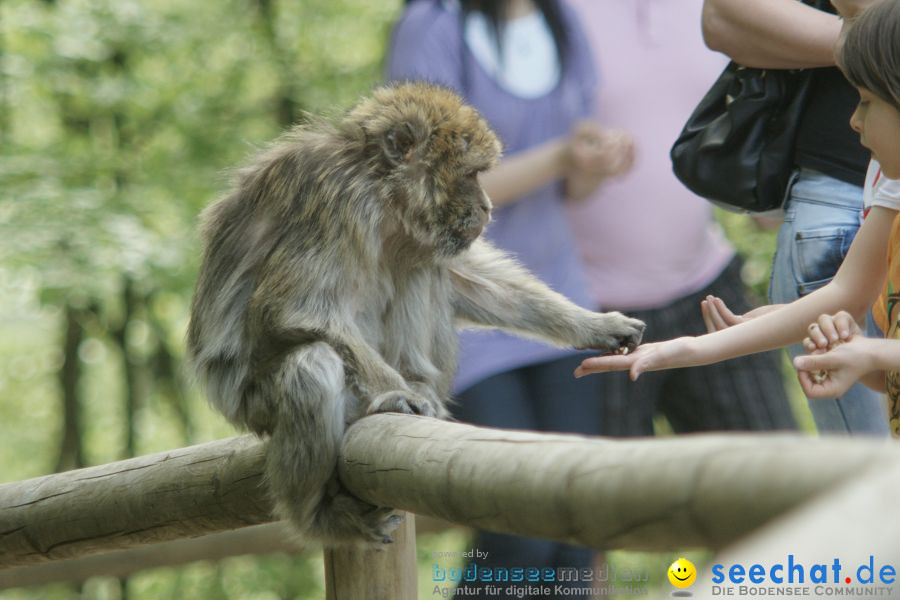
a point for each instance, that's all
(303, 451)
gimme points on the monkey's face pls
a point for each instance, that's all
(448, 209)
(461, 211)
(432, 148)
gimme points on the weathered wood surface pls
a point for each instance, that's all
(852, 523)
(269, 538)
(386, 573)
(655, 494)
(703, 490)
(177, 494)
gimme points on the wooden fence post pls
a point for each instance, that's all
(374, 574)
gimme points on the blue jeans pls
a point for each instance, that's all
(822, 215)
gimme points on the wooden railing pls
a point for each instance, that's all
(712, 491)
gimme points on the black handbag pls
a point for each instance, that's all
(737, 148)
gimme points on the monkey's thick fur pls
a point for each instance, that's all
(333, 274)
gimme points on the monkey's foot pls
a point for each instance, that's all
(403, 402)
(347, 519)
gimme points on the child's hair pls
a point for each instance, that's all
(870, 53)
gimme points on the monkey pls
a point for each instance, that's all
(333, 275)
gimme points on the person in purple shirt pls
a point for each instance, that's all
(526, 66)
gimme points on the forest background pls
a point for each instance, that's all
(119, 121)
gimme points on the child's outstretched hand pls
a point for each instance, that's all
(646, 357)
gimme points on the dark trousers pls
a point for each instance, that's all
(541, 397)
(745, 393)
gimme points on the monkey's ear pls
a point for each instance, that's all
(399, 142)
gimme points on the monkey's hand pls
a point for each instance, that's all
(610, 332)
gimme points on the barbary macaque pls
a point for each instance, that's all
(333, 275)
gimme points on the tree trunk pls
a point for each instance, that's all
(71, 453)
(287, 108)
(131, 369)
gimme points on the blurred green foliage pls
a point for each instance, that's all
(119, 120)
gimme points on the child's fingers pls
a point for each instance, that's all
(726, 314)
(806, 382)
(814, 333)
(817, 362)
(712, 318)
(809, 345)
(716, 317)
(707, 317)
(819, 388)
(814, 388)
(602, 364)
(827, 328)
(846, 325)
(818, 375)
(635, 371)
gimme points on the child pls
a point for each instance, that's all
(870, 56)
(834, 367)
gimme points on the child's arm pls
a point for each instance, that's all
(854, 288)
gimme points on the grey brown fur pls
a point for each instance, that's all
(332, 277)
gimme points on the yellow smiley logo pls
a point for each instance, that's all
(682, 573)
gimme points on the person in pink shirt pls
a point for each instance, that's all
(650, 247)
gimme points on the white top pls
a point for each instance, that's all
(529, 66)
(879, 190)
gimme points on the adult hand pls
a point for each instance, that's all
(646, 357)
(600, 152)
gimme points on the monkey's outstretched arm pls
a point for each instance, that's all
(492, 290)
